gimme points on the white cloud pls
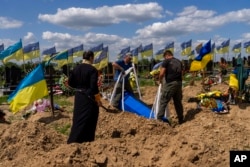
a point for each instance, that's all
(84, 18)
(192, 20)
(6, 23)
(29, 38)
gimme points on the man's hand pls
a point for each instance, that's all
(122, 71)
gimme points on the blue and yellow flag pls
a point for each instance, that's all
(61, 58)
(135, 53)
(14, 51)
(31, 51)
(186, 48)
(224, 47)
(203, 58)
(1, 47)
(47, 53)
(101, 60)
(147, 51)
(247, 46)
(78, 51)
(97, 50)
(170, 46)
(159, 54)
(123, 52)
(31, 88)
(237, 48)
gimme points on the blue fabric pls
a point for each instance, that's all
(220, 106)
(134, 105)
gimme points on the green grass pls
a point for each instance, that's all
(146, 82)
(61, 101)
(3, 99)
(63, 129)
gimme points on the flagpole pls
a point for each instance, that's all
(51, 88)
(24, 64)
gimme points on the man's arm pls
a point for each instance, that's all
(117, 66)
(162, 73)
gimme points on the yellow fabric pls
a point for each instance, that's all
(233, 82)
(199, 65)
(18, 55)
(28, 95)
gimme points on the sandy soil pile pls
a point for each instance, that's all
(125, 139)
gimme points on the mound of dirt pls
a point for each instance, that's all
(125, 139)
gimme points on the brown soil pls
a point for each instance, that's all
(125, 139)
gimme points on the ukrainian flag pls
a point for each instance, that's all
(123, 52)
(159, 54)
(224, 48)
(47, 53)
(186, 48)
(135, 53)
(170, 46)
(14, 51)
(237, 48)
(78, 51)
(147, 51)
(101, 60)
(61, 58)
(31, 51)
(203, 58)
(247, 46)
(31, 88)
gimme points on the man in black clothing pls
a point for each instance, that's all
(171, 71)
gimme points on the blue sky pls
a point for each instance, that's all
(119, 24)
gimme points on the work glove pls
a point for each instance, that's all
(98, 99)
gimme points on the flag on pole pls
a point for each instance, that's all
(31, 88)
(186, 47)
(237, 48)
(123, 52)
(159, 54)
(101, 60)
(224, 47)
(170, 46)
(14, 51)
(247, 46)
(78, 51)
(203, 58)
(61, 58)
(47, 53)
(135, 53)
(31, 51)
(147, 51)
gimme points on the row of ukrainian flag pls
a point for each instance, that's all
(31, 51)
(34, 86)
(223, 48)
